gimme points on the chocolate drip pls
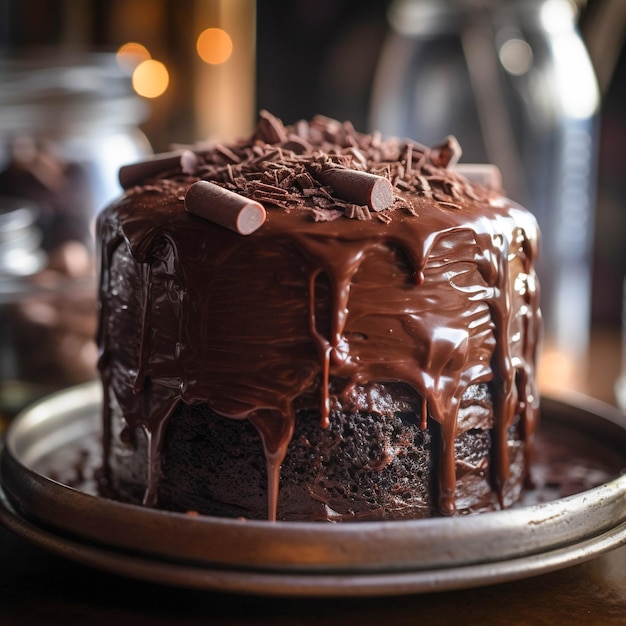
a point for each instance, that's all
(432, 297)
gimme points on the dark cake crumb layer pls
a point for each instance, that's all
(364, 466)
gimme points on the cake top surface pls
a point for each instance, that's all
(296, 170)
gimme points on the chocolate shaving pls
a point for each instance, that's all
(296, 144)
(446, 154)
(424, 186)
(272, 189)
(403, 203)
(270, 129)
(358, 156)
(324, 203)
(325, 215)
(266, 157)
(408, 159)
(449, 205)
(177, 162)
(356, 211)
(228, 153)
(305, 181)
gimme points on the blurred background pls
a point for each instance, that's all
(535, 86)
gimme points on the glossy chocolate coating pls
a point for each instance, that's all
(437, 293)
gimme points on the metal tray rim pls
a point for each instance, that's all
(307, 584)
(299, 547)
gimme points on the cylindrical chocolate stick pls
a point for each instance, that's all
(224, 207)
(133, 174)
(359, 187)
(484, 174)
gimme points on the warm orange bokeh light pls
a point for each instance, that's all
(150, 78)
(130, 55)
(214, 46)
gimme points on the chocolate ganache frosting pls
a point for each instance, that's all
(372, 262)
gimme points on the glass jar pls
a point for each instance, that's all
(66, 127)
(511, 79)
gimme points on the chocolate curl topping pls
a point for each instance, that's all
(270, 129)
(446, 154)
(371, 190)
(297, 145)
(224, 207)
(180, 161)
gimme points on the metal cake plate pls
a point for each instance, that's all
(48, 496)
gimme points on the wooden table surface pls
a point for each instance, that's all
(37, 587)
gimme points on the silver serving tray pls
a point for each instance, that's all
(298, 558)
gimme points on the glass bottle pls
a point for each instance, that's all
(511, 79)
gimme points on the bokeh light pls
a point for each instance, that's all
(516, 56)
(150, 78)
(130, 55)
(214, 46)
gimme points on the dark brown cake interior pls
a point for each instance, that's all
(365, 465)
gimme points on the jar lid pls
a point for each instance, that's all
(42, 91)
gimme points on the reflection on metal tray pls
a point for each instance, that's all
(582, 450)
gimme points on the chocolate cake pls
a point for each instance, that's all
(315, 323)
